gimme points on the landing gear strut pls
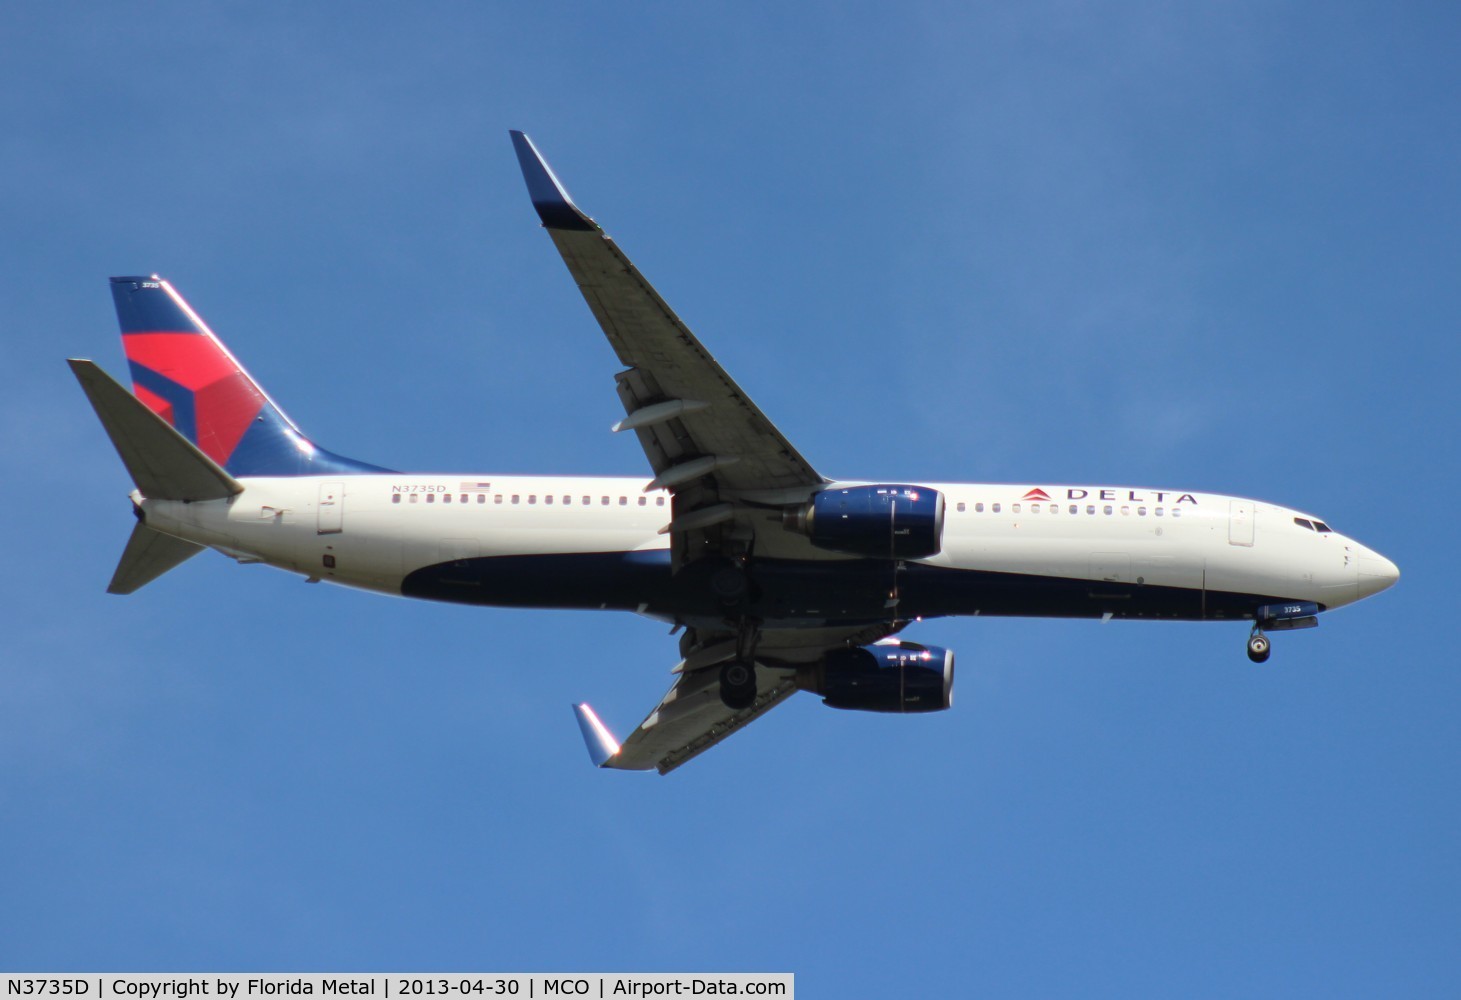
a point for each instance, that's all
(1258, 645)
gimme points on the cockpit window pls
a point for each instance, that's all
(1321, 526)
(1303, 523)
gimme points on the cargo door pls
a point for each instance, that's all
(331, 509)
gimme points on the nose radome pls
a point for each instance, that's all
(1375, 573)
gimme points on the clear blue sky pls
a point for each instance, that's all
(1208, 246)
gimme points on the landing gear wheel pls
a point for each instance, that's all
(738, 685)
(1258, 647)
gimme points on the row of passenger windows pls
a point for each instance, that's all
(532, 499)
(1074, 508)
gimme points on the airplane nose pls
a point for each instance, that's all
(1374, 573)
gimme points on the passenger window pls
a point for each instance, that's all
(446, 498)
(532, 498)
(587, 501)
(604, 502)
(659, 501)
(1158, 512)
(516, 498)
(1074, 509)
(979, 508)
(1090, 508)
(960, 508)
(482, 498)
(623, 501)
(1106, 509)
(1125, 511)
(643, 501)
(1014, 508)
(462, 498)
(395, 498)
(1141, 512)
(497, 498)
(1034, 508)
(568, 500)
(431, 498)
(1176, 511)
(413, 497)
(547, 499)
(995, 508)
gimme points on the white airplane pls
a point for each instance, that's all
(778, 578)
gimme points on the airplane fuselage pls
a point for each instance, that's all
(776, 578)
(595, 543)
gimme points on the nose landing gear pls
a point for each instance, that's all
(1258, 645)
(1280, 618)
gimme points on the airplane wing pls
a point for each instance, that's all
(727, 468)
(691, 718)
(706, 441)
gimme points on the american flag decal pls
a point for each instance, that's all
(475, 488)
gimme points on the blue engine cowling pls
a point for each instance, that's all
(885, 677)
(892, 522)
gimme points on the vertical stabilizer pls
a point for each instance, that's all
(185, 375)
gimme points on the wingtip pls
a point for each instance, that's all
(550, 199)
(597, 739)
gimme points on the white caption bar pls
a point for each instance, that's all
(398, 986)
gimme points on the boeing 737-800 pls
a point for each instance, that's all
(778, 578)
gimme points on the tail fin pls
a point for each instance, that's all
(185, 375)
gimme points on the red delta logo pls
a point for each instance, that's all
(1036, 494)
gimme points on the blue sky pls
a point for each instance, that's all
(1211, 248)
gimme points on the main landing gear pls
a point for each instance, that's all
(738, 685)
(1259, 647)
(738, 677)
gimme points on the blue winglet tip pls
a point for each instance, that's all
(554, 206)
(596, 736)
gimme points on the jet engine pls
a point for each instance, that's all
(895, 522)
(896, 676)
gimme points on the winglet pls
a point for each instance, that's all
(555, 208)
(600, 742)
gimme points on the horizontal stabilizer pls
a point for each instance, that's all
(148, 555)
(164, 464)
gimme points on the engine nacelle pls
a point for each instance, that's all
(884, 677)
(897, 522)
